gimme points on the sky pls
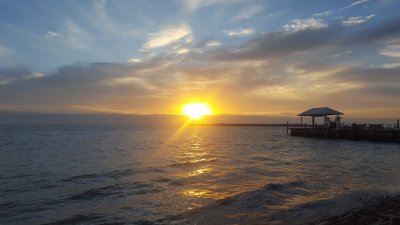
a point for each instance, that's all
(248, 57)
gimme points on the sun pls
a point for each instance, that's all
(196, 111)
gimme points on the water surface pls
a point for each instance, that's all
(196, 175)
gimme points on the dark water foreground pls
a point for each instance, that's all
(196, 175)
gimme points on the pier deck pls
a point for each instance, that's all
(375, 135)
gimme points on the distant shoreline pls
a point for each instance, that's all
(245, 124)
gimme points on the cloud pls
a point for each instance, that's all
(192, 5)
(390, 65)
(103, 21)
(9, 75)
(279, 43)
(168, 35)
(369, 75)
(351, 21)
(248, 13)
(305, 24)
(325, 13)
(135, 60)
(99, 4)
(4, 51)
(392, 51)
(6, 56)
(384, 31)
(342, 53)
(52, 35)
(240, 32)
(213, 43)
(75, 36)
(356, 3)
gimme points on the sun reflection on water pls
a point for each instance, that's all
(196, 193)
(198, 172)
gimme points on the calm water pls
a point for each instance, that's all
(197, 175)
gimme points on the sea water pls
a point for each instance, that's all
(185, 175)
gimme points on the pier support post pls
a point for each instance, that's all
(398, 124)
(287, 127)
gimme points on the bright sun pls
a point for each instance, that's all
(196, 111)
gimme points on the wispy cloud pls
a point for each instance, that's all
(76, 36)
(4, 51)
(392, 51)
(248, 13)
(351, 21)
(168, 35)
(390, 65)
(101, 19)
(342, 53)
(99, 4)
(325, 13)
(240, 32)
(305, 24)
(213, 43)
(192, 5)
(356, 3)
(10, 75)
(52, 35)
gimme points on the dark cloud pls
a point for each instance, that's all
(278, 44)
(8, 75)
(386, 90)
(70, 84)
(282, 43)
(387, 29)
(369, 76)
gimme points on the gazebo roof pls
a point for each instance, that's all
(319, 112)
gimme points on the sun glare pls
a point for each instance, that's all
(196, 111)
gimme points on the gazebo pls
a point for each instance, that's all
(320, 112)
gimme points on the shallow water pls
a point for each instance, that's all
(195, 175)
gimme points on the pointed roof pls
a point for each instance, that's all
(322, 111)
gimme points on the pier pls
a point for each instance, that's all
(337, 130)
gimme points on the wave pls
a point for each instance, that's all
(95, 193)
(268, 195)
(365, 206)
(261, 158)
(136, 188)
(8, 205)
(240, 208)
(192, 163)
(115, 174)
(79, 219)
(272, 204)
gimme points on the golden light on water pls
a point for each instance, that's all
(198, 172)
(196, 110)
(196, 193)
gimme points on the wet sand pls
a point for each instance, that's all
(381, 211)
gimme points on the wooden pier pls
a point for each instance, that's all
(373, 134)
(337, 130)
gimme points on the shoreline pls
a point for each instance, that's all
(245, 124)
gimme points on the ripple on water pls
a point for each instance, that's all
(115, 174)
(79, 219)
(192, 163)
(136, 188)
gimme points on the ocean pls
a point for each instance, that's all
(189, 175)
